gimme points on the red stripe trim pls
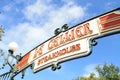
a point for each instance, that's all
(111, 24)
(109, 16)
(23, 62)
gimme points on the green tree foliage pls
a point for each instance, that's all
(91, 77)
(105, 72)
(1, 32)
(108, 72)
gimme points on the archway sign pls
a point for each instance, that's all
(74, 43)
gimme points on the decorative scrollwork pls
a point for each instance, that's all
(55, 67)
(58, 66)
(12, 70)
(93, 42)
(5, 76)
(32, 66)
(64, 28)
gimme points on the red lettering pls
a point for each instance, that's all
(87, 29)
(78, 47)
(67, 36)
(70, 35)
(62, 39)
(38, 51)
(78, 31)
(55, 42)
(50, 44)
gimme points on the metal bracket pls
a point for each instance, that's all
(93, 42)
(56, 66)
(62, 29)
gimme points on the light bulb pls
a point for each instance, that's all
(13, 46)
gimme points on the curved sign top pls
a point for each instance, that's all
(71, 44)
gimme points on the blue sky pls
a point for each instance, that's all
(31, 22)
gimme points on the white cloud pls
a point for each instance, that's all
(26, 35)
(47, 12)
(7, 7)
(109, 5)
(34, 11)
(67, 13)
(30, 34)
